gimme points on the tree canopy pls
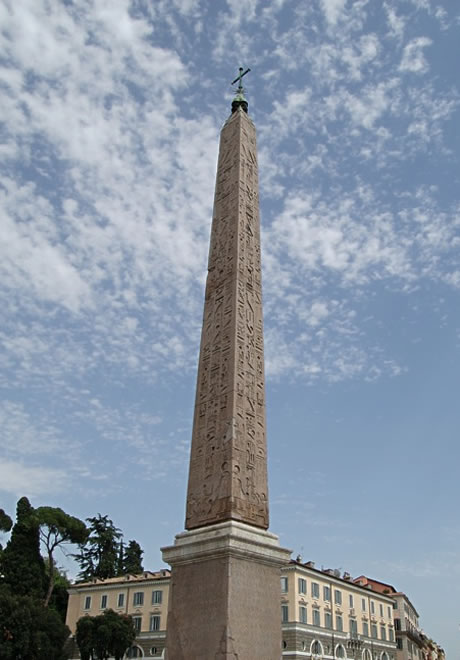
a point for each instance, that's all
(108, 634)
(98, 556)
(21, 563)
(132, 560)
(5, 521)
(57, 528)
(103, 554)
(28, 630)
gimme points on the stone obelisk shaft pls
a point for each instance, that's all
(224, 601)
(228, 463)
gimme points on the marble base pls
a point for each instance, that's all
(224, 598)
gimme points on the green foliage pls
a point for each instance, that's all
(132, 560)
(5, 524)
(108, 634)
(56, 529)
(5, 521)
(28, 630)
(84, 636)
(21, 564)
(60, 596)
(98, 557)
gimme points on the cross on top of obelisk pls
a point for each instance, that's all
(239, 100)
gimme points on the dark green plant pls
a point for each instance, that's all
(109, 634)
(21, 564)
(28, 630)
(98, 556)
(132, 561)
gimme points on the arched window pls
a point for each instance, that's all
(134, 652)
(384, 656)
(367, 655)
(340, 651)
(316, 648)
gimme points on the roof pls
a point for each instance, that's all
(139, 577)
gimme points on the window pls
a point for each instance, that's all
(327, 620)
(389, 612)
(314, 590)
(381, 609)
(302, 614)
(88, 602)
(353, 627)
(121, 600)
(391, 634)
(154, 623)
(137, 621)
(284, 613)
(284, 585)
(340, 652)
(338, 597)
(316, 617)
(397, 624)
(138, 598)
(372, 607)
(326, 593)
(302, 586)
(134, 652)
(365, 629)
(363, 604)
(103, 602)
(374, 631)
(350, 600)
(367, 655)
(157, 597)
(316, 648)
(339, 622)
(399, 643)
(383, 632)
(154, 650)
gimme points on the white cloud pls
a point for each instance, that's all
(30, 481)
(413, 57)
(332, 9)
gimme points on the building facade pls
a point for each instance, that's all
(411, 642)
(144, 597)
(324, 615)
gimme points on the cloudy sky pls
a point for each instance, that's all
(110, 115)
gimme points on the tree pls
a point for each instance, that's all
(132, 561)
(21, 564)
(5, 524)
(60, 595)
(56, 529)
(28, 630)
(123, 633)
(84, 636)
(98, 557)
(5, 521)
(104, 635)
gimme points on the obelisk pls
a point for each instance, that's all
(225, 594)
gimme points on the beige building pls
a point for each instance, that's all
(411, 642)
(324, 615)
(144, 597)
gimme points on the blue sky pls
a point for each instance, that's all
(110, 117)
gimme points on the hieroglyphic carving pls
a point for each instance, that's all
(228, 471)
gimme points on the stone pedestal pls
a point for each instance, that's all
(225, 580)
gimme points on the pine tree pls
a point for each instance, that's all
(22, 566)
(133, 559)
(98, 557)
